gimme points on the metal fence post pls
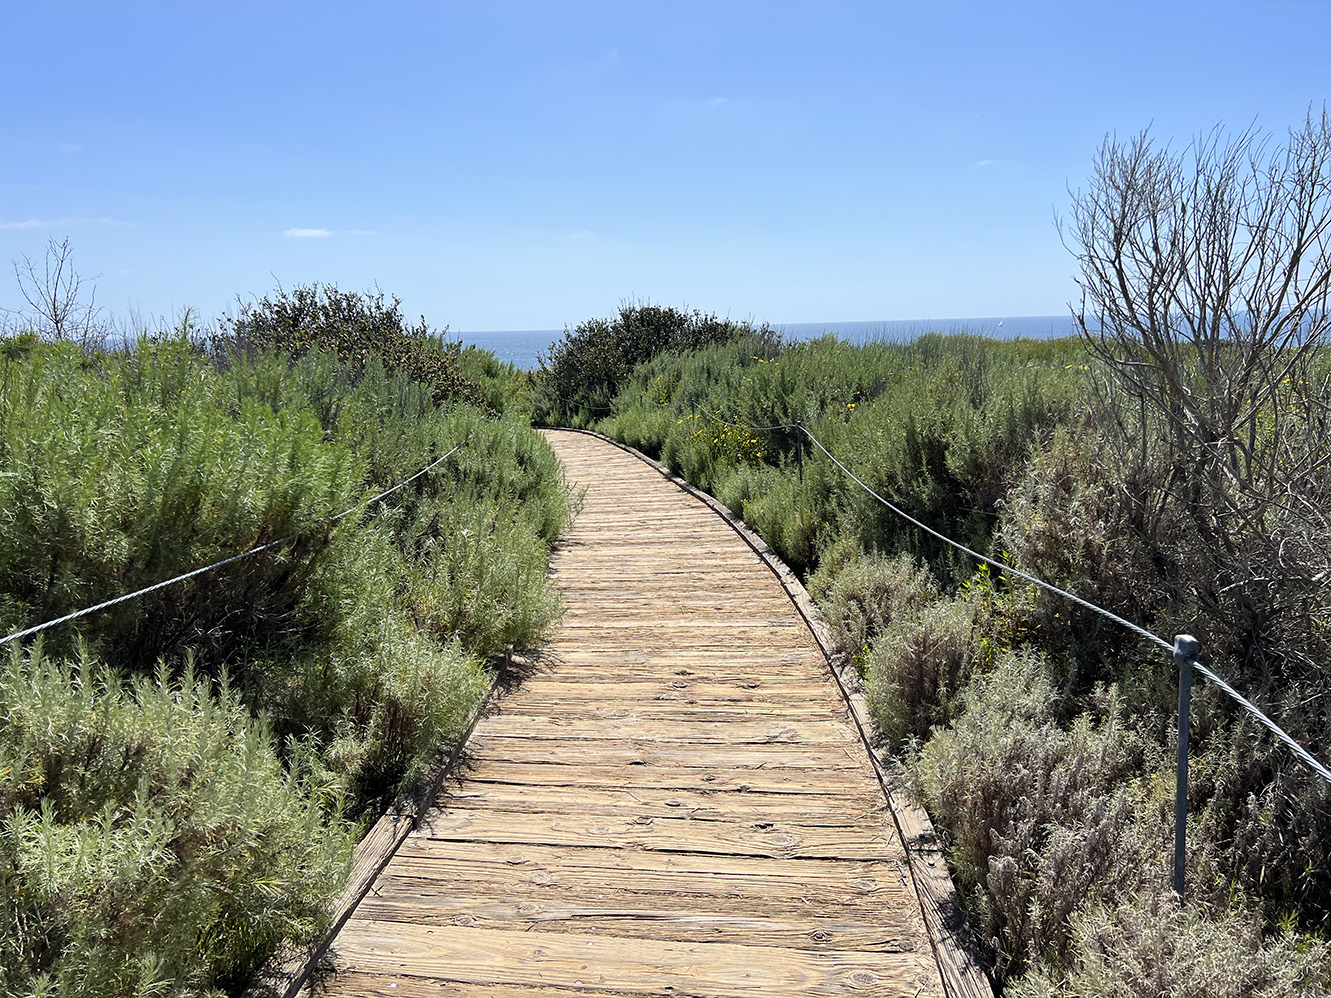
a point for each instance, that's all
(1186, 648)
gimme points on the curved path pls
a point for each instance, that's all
(676, 801)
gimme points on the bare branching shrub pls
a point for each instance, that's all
(61, 305)
(1149, 947)
(1206, 282)
(918, 667)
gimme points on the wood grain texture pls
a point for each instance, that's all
(675, 800)
(956, 948)
(630, 965)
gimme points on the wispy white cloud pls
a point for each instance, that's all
(70, 147)
(709, 105)
(60, 223)
(581, 235)
(982, 163)
(307, 233)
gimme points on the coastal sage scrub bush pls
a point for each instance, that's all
(151, 840)
(183, 774)
(581, 372)
(357, 328)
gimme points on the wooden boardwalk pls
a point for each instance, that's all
(677, 802)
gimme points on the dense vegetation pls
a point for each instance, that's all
(1039, 735)
(183, 775)
(581, 372)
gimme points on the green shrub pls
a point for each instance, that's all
(918, 667)
(863, 597)
(355, 328)
(1040, 819)
(482, 579)
(940, 427)
(1070, 522)
(1149, 947)
(582, 372)
(119, 477)
(360, 644)
(150, 840)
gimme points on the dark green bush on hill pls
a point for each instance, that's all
(580, 374)
(356, 328)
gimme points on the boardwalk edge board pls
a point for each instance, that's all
(287, 971)
(954, 945)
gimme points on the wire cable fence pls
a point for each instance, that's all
(1185, 648)
(105, 604)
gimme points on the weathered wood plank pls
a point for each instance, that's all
(801, 881)
(711, 805)
(642, 916)
(641, 966)
(665, 710)
(638, 685)
(358, 985)
(756, 837)
(653, 753)
(634, 729)
(713, 777)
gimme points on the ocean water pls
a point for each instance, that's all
(517, 346)
(521, 346)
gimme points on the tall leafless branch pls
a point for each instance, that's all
(1205, 279)
(55, 293)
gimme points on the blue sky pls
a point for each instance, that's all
(526, 166)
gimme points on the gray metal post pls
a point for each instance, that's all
(1186, 648)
